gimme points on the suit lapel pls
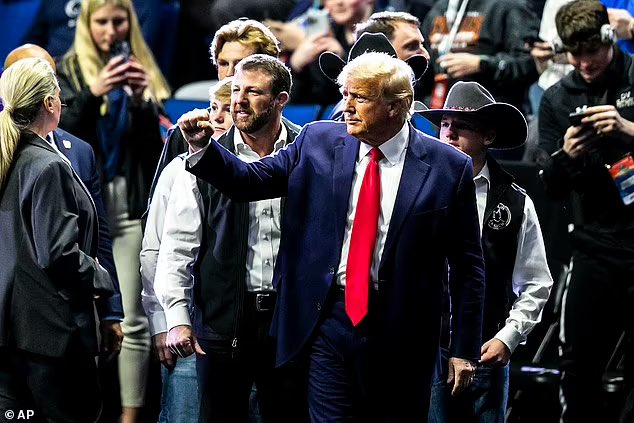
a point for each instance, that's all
(415, 172)
(345, 158)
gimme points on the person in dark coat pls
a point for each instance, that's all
(49, 276)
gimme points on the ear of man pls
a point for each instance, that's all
(282, 98)
(489, 137)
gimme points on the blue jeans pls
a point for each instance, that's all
(179, 399)
(484, 401)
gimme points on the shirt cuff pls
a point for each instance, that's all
(510, 336)
(193, 158)
(157, 323)
(177, 316)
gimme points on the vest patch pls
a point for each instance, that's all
(500, 218)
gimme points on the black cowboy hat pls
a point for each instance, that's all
(472, 98)
(331, 65)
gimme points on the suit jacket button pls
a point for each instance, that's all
(318, 306)
(331, 270)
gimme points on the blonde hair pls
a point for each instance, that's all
(221, 91)
(249, 33)
(24, 86)
(384, 76)
(89, 57)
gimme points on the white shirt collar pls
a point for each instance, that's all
(484, 175)
(392, 149)
(240, 145)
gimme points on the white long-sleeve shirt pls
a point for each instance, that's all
(532, 281)
(152, 242)
(180, 243)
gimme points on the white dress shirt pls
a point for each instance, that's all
(180, 243)
(182, 234)
(390, 171)
(264, 224)
(152, 241)
(532, 281)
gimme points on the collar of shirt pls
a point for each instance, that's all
(484, 177)
(242, 147)
(482, 183)
(393, 149)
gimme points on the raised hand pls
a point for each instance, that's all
(136, 79)
(606, 120)
(113, 76)
(196, 127)
(458, 65)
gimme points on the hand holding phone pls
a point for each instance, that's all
(121, 48)
(575, 118)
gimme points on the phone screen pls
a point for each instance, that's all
(317, 22)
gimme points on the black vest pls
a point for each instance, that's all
(502, 222)
(220, 270)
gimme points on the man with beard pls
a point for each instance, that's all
(236, 246)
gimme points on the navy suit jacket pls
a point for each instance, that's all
(434, 221)
(82, 158)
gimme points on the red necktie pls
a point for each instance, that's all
(363, 240)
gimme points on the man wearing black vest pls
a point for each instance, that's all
(232, 247)
(518, 281)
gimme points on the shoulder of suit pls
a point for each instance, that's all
(39, 159)
(326, 126)
(74, 140)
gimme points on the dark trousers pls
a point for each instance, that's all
(226, 375)
(483, 401)
(59, 390)
(349, 380)
(597, 307)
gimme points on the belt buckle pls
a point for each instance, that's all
(262, 302)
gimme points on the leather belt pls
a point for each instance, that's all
(263, 301)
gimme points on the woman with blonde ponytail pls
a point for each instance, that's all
(114, 89)
(48, 274)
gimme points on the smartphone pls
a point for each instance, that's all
(317, 21)
(121, 48)
(575, 118)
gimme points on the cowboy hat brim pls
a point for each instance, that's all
(331, 65)
(509, 123)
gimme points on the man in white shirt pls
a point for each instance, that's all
(231, 247)
(518, 281)
(179, 402)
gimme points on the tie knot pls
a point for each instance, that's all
(377, 154)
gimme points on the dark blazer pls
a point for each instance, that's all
(48, 275)
(434, 220)
(82, 158)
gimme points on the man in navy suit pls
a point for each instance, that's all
(375, 212)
